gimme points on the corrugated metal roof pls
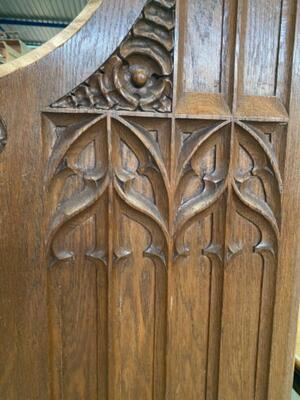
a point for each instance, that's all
(42, 9)
(38, 10)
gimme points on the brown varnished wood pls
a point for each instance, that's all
(28, 85)
(149, 205)
(287, 288)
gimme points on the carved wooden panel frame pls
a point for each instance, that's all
(160, 229)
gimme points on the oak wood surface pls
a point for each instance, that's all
(149, 168)
(28, 85)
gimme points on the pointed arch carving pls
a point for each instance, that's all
(156, 194)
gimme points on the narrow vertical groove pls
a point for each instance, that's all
(227, 232)
(259, 325)
(222, 49)
(272, 325)
(154, 334)
(97, 333)
(160, 327)
(172, 188)
(50, 344)
(55, 350)
(292, 39)
(97, 294)
(176, 87)
(110, 255)
(61, 375)
(238, 65)
(208, 330)
(169, 281)
(278, 49)
(213, 367)
(286, 45)
(171, 216)
(101, 301)
(230, 24)
(233, 92)
(220, 329)
(208, 326)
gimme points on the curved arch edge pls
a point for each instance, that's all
(90, 11)
(57, 41)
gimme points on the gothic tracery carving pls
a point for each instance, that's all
(201, 179)
(178, 176)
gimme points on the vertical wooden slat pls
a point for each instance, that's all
(204, 35)
(240, 327)
(262, 27)
(287, 286)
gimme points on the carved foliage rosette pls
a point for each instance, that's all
(138, 76)
(214, 159)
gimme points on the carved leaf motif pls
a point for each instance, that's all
(214, 252)
(271, 163)
(79, 203)
(232, 251)
(192, 144)
(262, 211)
(150, 220)
(267, 241)
(265, 168)
(98, 255)
(147, 150)
(203, 156)
(139, 74)
(63, 143)
(136, 205)
(135, 200)
(63, 164)
(194, 147)
(196, 208)
(257, 206)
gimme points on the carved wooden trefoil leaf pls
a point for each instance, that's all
(138, 76)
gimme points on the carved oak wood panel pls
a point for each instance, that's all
(164, 179)
(112, 183)
(200, 198)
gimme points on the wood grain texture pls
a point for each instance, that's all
(27, 86)
(150, 207)
(287, 289)
(205, 27)
(262, 27)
